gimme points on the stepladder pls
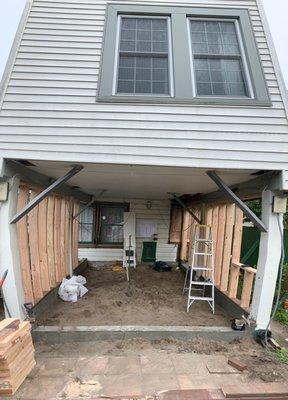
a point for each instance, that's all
(129, 253)
(199, 278)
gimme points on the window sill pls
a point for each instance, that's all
(218, 101)
(99, 246)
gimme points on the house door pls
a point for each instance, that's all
(149, 251)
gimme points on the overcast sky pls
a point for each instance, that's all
(276, 10)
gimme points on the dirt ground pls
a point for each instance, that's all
(151, 298)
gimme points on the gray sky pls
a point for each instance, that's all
(276, 10)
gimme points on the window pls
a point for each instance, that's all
(143, 60)
(111, 224)
(102, 224)
(86, 225)
(218, 59)
(150, 56)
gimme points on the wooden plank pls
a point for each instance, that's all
(34, 249)
(67, 236)
(76, 207)
(57, 244)
(219, 243)
(175, 225)
(247, 288)
(50, 241)
(184, 235)
(230, 218)
(42, 237)
(237, 239)
(63, 254)
(215, 215)
(233, 280)
(23, 243)
(207, 259)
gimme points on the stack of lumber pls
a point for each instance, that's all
(16, 354)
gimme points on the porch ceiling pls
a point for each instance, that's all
(137, 181)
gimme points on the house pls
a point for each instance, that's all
(129, 105)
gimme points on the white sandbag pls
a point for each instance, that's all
(72, 289)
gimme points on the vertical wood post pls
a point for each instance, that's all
(268, 263)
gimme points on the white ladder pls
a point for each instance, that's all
(129, 254)
(202, 268)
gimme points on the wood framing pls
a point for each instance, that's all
(44, 242)
(226, 221)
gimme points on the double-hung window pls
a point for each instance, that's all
(142, 65)
(166, 54)
(218, 61)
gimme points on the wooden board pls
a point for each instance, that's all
(237, 237)
(215, 215)
(185, 235)
(219, 243)
(42, 238)
(34, 249)
(247, 288)
(50, 241)
(63, 254)
(76, 208)
(175, 225)
(230, 217)
(23, 241)
(57, 240)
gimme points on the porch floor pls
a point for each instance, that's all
(151, 298)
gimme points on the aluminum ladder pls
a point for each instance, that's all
(202, 268)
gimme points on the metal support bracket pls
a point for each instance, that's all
(235, 199)
(41, 196)
(186, 208)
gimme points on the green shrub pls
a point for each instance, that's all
(282, 355)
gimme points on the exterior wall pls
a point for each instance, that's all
(159, 212)
(50, 111)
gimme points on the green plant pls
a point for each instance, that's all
(282, 355)
(282, 316)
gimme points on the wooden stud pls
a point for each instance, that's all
(247, 288)
(67, 236)
(23, 243)
(175, 225)
(50, 240)
(236, 252)
(75, 260)
(219, 243)
(215, 215)
(184, 235)
(230, 217)
(233, 280)
(42, 239)
(62, 238)
(57, 240)
(238, 230)
(34, 249)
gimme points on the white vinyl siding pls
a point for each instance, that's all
(49, 110)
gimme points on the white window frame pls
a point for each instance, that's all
(247, 77)
(170, 58)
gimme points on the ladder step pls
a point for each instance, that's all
(204, 283)
(201, 298)
(203, 254)
(204, 240)
(199, 268)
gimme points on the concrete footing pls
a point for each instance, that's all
(58, 334)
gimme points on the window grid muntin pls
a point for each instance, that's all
(166, 55)
(241, 57)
